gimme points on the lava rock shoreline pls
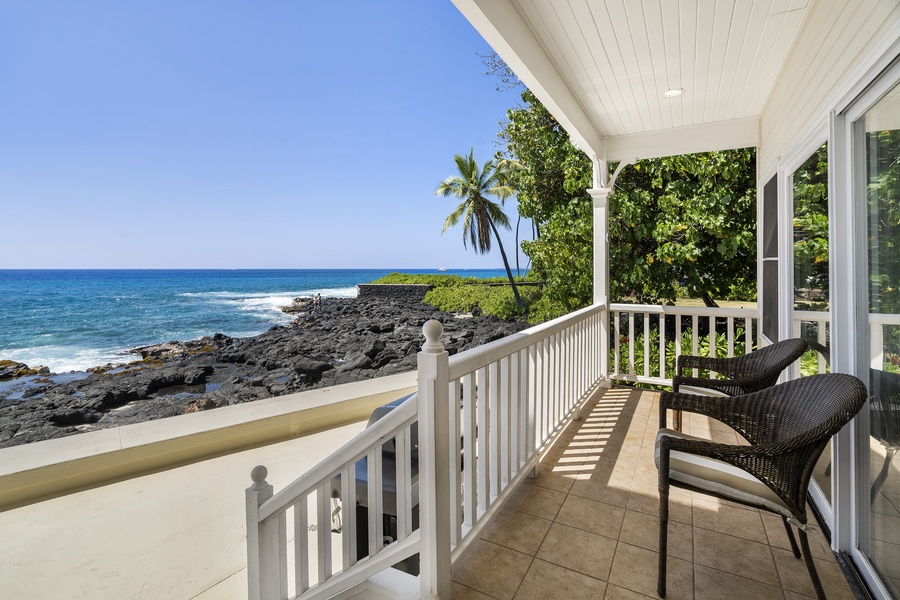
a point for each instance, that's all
(338, 340)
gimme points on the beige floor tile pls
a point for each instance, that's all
(599, 489)
(548, 478)
(578, 550)
(546, 581)
(893, 584)
(735, 555)
(518, 531)
(640, 529)
(614, 592)
(788, 595)
(462, 592)
(710, 584)
(726, 518)
(595, 517)
(635, 569)
(887, 556)
(536, 500)
(492, 569)
(795, 577)
(647, 502)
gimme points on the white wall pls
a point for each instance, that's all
(836, 39)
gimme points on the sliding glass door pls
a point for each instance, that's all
(877, 137)
(809, 192)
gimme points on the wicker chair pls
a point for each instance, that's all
(884, 416)
(788, 426)
(751, 372)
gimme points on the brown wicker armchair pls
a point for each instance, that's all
(751, 372)
(788, 426)
(884, 415)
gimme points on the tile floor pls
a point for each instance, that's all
(586, 526)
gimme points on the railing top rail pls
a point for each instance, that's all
(685, 310)
(372, 437)
(812, 315)
(824, 315)
(470, 360)
(884, 319)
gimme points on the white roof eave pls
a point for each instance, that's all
(501, 25)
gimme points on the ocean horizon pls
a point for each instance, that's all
(75, 319)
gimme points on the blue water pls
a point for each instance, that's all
(72, 320)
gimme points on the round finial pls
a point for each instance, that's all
(258, 475)
(432, 330)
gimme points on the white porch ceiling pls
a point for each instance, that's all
(601, 67)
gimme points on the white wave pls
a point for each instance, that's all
(345, 292)
(62, 359)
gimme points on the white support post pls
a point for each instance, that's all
(600, 196)
(434, 464)
(266, 544)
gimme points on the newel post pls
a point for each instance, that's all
(601, 271)
(266, 543)
(434, 464)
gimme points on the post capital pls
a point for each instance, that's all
(600, 196)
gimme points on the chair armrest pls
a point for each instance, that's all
(731, 387)
(675, 441)
(709, 406)
(744, 414)
(719, 365)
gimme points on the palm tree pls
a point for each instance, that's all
(480, 215)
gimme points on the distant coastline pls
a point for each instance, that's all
(72, 320)
(337, 340)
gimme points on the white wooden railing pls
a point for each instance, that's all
(877, 324)
(821, 321)
(484, 417)
(630, 329)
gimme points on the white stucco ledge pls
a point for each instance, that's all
(35, 472)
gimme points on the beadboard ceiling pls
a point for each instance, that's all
(602, 66)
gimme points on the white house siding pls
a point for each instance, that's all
(837, 38)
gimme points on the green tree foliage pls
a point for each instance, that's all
(682, 224)
(685, 224)
(883, 190)
(551, 190)
(811, 226)
(453, 293)
(480, 215)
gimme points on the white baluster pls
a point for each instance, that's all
(662, 345)
(730, 334)
(876, 345)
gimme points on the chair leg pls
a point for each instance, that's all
(883, 474)
(790, 534)
(811, 567)
(663, 521)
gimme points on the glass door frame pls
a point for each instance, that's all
(850, 315)
(788, 165)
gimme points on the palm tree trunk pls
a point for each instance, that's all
(509, 274)
(518, 222)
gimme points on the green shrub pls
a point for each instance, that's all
(671, 348)
(453, 293)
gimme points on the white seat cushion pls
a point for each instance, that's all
(718, 477)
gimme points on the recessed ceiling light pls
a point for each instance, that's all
(673, 93)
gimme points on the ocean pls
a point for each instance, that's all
(70, 320)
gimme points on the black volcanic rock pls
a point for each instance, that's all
(335, 341)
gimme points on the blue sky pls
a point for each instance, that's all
(238, 134)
